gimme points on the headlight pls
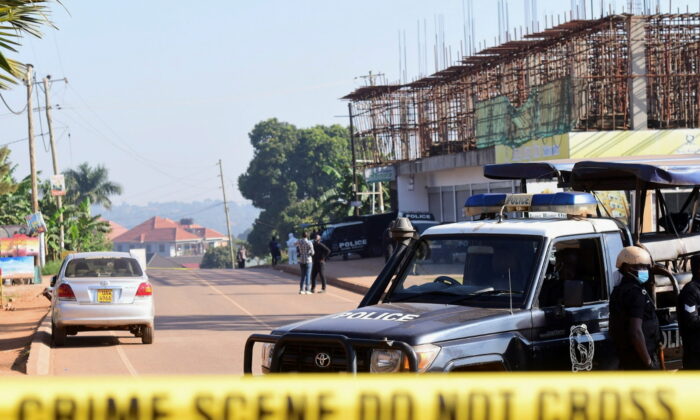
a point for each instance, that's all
(267, 350)
(386, 361)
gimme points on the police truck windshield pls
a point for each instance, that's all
(480, 270)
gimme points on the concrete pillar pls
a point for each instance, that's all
(638, 71)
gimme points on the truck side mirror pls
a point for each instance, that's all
(573, 293)
(53, 280)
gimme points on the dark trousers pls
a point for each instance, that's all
(633, 363)
(241, 264)
(318, 268)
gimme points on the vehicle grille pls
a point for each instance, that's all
(300, 357)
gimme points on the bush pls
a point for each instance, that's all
(51, 268)
(219, 257)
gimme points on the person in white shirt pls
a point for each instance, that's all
(292, 249)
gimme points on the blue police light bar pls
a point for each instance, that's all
(484, 203)
(570, 203)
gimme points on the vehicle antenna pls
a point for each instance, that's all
(510, 292)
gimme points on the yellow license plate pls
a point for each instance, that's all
(104, 295)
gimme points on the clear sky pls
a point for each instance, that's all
(160, 90)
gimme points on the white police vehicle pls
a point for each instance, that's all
(526, 287)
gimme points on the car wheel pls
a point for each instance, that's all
(147, 334)
(58, 335)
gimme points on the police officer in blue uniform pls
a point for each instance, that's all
(688, 318)
(634, 327)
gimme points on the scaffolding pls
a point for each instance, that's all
(575, 76)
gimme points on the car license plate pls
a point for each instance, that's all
(104, 295)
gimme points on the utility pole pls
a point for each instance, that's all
(54, 157)
(228, 224)
(30, 136)
(354, 162)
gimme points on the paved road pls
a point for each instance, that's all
(203, 318)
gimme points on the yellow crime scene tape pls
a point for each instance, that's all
(488, 396)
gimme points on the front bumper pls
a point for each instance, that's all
(349, 345)
(67, 313)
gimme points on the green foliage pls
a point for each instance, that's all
(18, 18)
(217, 257)
(7, 184)
(51, 268)
(296, 176)
(93, 184)
(82, 231)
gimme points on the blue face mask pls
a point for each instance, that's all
(643, 276)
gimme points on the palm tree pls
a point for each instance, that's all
(17, 18)
(93, 184)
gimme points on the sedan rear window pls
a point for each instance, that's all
(103, 267)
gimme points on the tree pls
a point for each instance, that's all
(286, 177)
(216, 257)
(17, 18)
(90, 183)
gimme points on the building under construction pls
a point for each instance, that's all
(562, 93)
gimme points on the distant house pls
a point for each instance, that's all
(115, 229)
(162, 236)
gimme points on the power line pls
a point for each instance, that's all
(41, 124)
(25, 138)
(10, 109)
(118, 137)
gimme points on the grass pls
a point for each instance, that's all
(51, 268)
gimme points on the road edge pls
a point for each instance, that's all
(338, 282)
(39, 363)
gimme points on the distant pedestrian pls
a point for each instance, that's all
(275, 252)
(689, 318)
(241, 256)
(306, 252)
(321, 252)
(388, 243)
(292, 249)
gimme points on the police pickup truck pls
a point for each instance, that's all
(523, 287)
(362, 235)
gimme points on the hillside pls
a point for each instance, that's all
(209, 213)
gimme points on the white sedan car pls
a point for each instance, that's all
(101, 291)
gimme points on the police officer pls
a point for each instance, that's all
(688, 318)
(634, 327)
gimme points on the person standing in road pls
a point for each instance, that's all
(241, 256)
(321, 252)
(388, 243)
(688, 318)
(292, 249)
(275, 250)
(306, 252)
(634, 327)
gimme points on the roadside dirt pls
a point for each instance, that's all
(17, 326)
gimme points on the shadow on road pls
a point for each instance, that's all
(91, 341)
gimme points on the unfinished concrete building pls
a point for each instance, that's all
(621, 85)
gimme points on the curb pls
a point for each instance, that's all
(339, 282)
(40, 350)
